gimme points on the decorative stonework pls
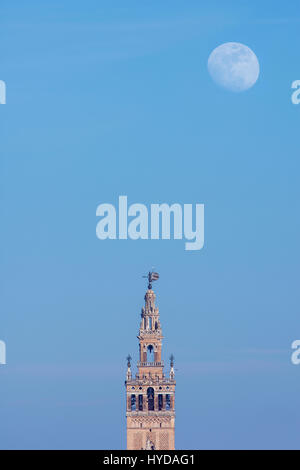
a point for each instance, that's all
(149, 420)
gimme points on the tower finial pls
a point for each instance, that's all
(151, 276)
(172, 373)
(172, 360)
(128, 358)
(128, 375)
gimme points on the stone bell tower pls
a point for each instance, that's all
(150, 395)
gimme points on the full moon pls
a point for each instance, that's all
(233, 66)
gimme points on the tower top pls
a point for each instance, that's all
(150, 394)
(151, 276)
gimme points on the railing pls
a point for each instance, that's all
(150, 364)
(150, 332)
(139, 380)
(151, 413)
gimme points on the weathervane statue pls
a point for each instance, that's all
(151, 276)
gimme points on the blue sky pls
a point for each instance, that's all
(111, 98)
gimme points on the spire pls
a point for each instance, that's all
(128, 375)
(172, 373)
(150, 313)
(150, 322)
(150, 307)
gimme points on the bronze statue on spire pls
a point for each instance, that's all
(151, 276)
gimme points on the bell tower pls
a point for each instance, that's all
(150, 395)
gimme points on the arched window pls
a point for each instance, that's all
(133, 403)
(140, 402)
(168, 402)
(150, 353)
(150, 396)
(160, 402)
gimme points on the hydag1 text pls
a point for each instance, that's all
(159, 218)
(164, 459)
